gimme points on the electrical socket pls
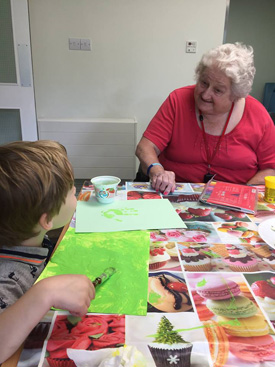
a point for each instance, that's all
(191, 46)
(85, 44)
(74, 43)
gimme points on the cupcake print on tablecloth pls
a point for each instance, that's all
(220, 249)
(193, 260)
(169, 339)
(158, 257)
(172, 251)
(196, 246)
(167, 292)
(169, 347)
(222, 257)
(241, 261)
(163, 255)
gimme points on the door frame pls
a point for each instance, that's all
(20, 95)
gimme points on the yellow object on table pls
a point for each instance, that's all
(270, 189)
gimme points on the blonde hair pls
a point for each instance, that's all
(237, 63)
(35, 178)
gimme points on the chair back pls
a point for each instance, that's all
(269, 97)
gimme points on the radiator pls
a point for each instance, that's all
(96, 146)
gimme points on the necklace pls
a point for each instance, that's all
(209, 175)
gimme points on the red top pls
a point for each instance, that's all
(249, 147)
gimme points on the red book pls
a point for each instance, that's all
(230, 196)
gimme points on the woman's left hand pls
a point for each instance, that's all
(258, 179)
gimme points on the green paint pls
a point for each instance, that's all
(232, 305)
(118, 214)
(201, 283)
(233, 322)
(91, 253)
(73, 319)
(96, 336)
(211, 254)
(154, 298)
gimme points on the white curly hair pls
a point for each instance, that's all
(236, 61)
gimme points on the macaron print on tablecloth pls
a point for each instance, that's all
(210, 294)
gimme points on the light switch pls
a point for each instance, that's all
(85, 44)
(74, 43)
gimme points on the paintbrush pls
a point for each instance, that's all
(107, 273)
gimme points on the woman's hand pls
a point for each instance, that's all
(258, 179)
(161, 180)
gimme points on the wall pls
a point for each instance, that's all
(138, 54)
(252, 22)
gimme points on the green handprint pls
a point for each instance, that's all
(201, 283)
(117, 213)
(232, 304)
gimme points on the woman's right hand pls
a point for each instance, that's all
(161, 180)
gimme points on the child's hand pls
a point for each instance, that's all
(72, 292)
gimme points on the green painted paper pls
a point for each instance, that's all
(92, 216)
(125, 292)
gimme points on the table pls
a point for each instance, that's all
(196, 282)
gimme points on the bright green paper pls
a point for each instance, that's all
(92, 216)
(125, 292)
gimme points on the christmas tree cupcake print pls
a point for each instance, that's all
(169, 348)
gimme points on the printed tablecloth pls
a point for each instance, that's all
(211, 295)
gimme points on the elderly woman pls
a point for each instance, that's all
(212, 128)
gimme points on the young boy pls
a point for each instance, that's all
(37, 194)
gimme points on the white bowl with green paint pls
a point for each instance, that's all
(105, 188)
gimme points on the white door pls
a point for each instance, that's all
(17, 106)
